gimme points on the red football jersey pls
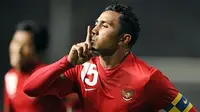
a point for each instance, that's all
(132, 86)
(15, 100)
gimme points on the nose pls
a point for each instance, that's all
(95, 30)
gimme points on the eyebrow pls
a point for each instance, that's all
(102, 21)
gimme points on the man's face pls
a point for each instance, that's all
(21, 49)
(105, 33)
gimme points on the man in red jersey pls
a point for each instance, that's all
(106, 75)
(29, 40)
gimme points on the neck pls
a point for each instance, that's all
(115, 59)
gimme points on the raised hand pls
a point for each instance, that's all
(80, 53)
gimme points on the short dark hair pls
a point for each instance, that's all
(129, 22)
(38, 32)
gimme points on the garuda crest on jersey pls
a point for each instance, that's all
(127, 93)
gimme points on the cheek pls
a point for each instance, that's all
(14, 51)
(14, 55)
(14, 48)
(105, 33)
(27, 51)
(107, 37)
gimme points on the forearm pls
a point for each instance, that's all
(41, 79)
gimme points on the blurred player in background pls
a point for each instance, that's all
(29, 41)
(104, 72)
(73, 103)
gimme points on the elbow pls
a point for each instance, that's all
(31, 92)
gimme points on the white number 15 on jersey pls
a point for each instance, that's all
(89, 69)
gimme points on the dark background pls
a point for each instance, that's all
(169, 38)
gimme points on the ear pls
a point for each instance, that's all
(125, 39)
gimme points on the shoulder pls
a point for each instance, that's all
(141, 66)
(10, 73)
(158, 77)
(160, 84)
(150, 71)
(153, 72)
(11, 81)
(138, 70)
(152, 76)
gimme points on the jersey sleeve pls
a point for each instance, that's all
(55, 79)
(163, 95)
(7, 106)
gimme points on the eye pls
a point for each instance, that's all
(105, 26)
